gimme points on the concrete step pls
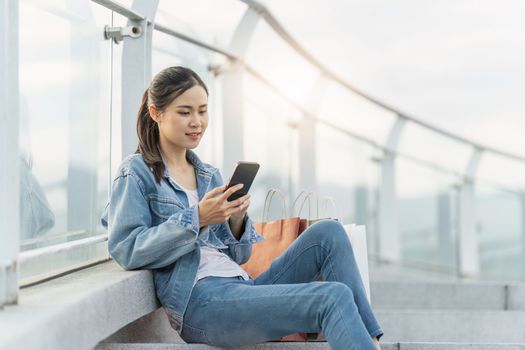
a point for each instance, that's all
(262, 346)
(315, 346)
(447, 295)
(461, 326)
(398, 273)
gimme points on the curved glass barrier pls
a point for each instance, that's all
(70, 104)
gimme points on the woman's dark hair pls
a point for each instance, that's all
(165, 87)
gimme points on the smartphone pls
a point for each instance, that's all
(244, 173)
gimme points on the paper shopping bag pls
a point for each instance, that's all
(357, 235)
(278, 234)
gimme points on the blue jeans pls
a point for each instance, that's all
(232, 312)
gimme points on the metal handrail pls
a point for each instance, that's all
(196, 42)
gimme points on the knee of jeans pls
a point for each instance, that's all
(337, 292)
(333, 231)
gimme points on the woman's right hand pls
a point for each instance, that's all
(214, 207)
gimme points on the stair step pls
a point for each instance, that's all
(447, 295)
(457, 346)
(462, 326)
(315, 346)
(262, 346)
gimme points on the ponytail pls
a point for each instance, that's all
(148, 134)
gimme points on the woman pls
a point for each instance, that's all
(168, 212)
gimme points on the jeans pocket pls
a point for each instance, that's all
(193, 335)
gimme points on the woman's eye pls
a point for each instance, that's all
(184, 113)
(203, 112)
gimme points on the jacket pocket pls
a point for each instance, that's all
(162, 208)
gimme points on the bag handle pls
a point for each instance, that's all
(267, 201)
(307, 197)
(331, 200)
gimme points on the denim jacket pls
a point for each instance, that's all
(151, 226)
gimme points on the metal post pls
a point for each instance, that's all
(389, 234)
(232, 87)
(136, 71)
(468, 240)
(9, 153)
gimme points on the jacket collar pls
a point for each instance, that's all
(200, 167)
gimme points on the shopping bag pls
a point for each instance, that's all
(278, 234)
(357, 235)
(302, 198)
(320, 202)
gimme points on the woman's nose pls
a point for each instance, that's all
(195, 120)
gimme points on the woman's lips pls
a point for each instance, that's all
(194, 136)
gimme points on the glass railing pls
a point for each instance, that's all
(71, 139)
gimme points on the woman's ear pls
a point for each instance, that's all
(153, 112)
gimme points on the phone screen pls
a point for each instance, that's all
(244, 173)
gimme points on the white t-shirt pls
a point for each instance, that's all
(213, 262)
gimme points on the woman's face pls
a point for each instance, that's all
(185, 119)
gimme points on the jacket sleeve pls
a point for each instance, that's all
(133, 241)
(240, 250)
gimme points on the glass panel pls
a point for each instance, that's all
(279, 64)
(500, 205)
(353, 113)
(438, 149)
(345, 171)
(501, 232)
(65, 125)
(427, 202)
(502, 172)
(200, 19)
(269, 141)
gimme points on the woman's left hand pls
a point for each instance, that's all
(238, 216)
